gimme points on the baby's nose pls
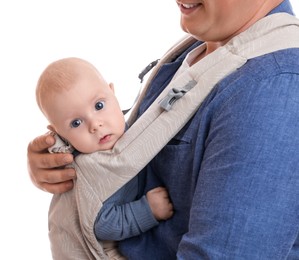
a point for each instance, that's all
(94, 126)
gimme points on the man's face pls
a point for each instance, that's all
(219, 20)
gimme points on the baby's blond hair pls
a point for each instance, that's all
(58, 76)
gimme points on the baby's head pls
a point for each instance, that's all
(80, 105)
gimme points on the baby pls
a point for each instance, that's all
(82, 109)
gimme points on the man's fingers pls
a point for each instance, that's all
(41, 143)
(57, 175)
(39, 160)
(58, 188)
(53, 160)
(55, 180)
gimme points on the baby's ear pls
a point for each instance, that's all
(51, 128)
(111, 85)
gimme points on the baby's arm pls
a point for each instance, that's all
(123, 216)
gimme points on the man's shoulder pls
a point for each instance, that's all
(264, 68)
(283, 61)
(264, 75)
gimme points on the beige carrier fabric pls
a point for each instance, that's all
(99, 175)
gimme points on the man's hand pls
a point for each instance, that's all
(47, 171)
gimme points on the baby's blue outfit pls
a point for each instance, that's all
(124, 214)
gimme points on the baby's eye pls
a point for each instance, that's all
(99, 105)
(76, 123)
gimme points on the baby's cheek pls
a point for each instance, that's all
(82, 145)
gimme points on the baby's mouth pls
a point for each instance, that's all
(104, 139)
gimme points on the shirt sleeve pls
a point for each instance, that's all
(245, 204)
(120, 218)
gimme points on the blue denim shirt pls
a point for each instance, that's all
(233, 171)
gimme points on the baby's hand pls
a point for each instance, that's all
(159, 203)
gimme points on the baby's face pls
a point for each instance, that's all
(87, 115)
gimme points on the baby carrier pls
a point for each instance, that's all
(99, 175)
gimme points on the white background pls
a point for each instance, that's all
(119, 37)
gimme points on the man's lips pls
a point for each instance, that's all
(188, 8)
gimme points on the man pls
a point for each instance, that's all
(232, 171)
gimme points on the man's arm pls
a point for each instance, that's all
(246, 202)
